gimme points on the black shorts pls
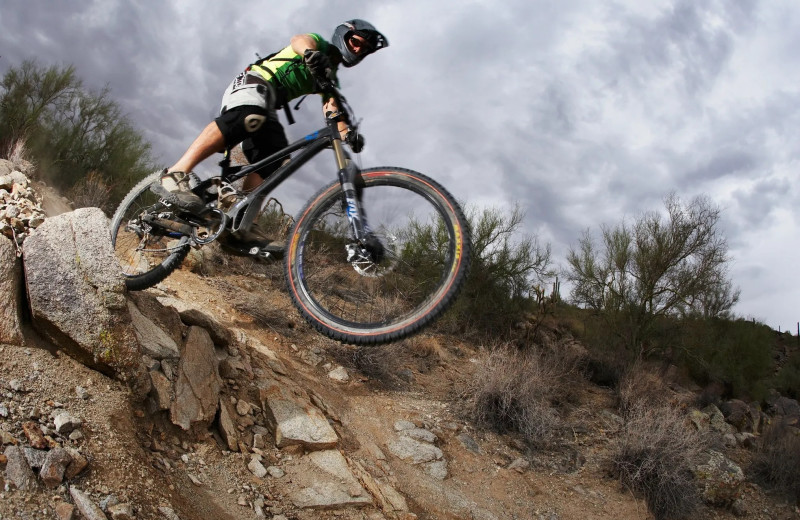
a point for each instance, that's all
(237, 125)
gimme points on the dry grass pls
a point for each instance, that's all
(640, 387)
(777, 462)
(385, 365)
(654, 456)
(91, 192)
(17, 153)
(518, 391)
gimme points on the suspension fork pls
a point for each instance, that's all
(350, 179)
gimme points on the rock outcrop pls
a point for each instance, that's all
(77, 297)
(20, 211)
(295, 422)
(11, 288)
(198, 384)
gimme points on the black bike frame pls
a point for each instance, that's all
(242, 214)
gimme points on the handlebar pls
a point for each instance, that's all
(326, 87)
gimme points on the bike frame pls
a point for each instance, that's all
(242, 214)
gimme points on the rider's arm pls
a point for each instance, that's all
(303, 42)
(300, 44)
(331, 106)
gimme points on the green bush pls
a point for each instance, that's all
(735, 353)
(70, 131)
(652, 270)
(787, 381)
(508, 268)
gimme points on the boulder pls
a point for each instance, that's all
(88, 509)
(54, 467)
(295, 422)
(198, 384)
(738, 414)
(323, 480)
(166, 318)
(152, 339)
(162, 391)
(717, 420)
(721, 479)
(77, 296)
(784, 406)
(11, 286)
(191, 315)
(227, 425)
(18, 472)
(414, 451)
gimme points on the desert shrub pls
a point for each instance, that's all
(508, 270)
(92, 191)
(734, 353)
(517, 391)
(274, 221)
(382, 364)
(17, 152)
(654, 455)
(69, 130)
(640, 387)
(777, 460)
(787, 381)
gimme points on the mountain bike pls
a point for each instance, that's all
(373, 257)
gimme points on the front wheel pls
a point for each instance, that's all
(367, 299)
(147, 253)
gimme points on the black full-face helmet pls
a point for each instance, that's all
(342, 34)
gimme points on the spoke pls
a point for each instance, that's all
(366, 292)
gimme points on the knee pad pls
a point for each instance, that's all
(253, 122)
(237, 124)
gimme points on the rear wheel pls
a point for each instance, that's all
(146, 253)
(347, 293)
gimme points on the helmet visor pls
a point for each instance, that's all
(360, 45)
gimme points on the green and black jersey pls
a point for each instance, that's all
(289, 71)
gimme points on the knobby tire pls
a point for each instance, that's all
(143, 267)
(428, 252)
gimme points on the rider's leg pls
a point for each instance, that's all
(174, 186)
(209, 142)
(269, 139)
(245, 106)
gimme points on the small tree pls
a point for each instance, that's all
(655, 268)
(507, 268)
(69, 130)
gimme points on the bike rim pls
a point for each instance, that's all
(423, 253)
(138, 247)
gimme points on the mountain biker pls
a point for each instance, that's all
(248, 114)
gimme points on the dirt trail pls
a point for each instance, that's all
(144, 460)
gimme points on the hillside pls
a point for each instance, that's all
(301, 427)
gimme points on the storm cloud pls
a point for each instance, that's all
(583, 112)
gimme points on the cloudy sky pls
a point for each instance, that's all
(582, 111)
